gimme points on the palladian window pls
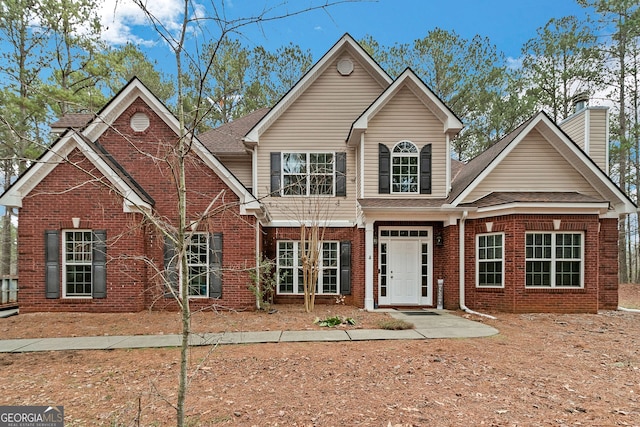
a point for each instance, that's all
(404, 174)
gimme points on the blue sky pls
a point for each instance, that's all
(507, 23)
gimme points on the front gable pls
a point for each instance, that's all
(408, 111)
(106, 172)
(314, 118)
(132, 127)
(539, 157)
(347, 59)
(534, 165)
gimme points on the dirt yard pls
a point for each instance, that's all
(541, 370)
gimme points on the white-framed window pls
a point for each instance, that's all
(404, 168)
(308, 174)
(290, 274)
(78, 258)
(554, 260)
(490, 260)
(198, 265)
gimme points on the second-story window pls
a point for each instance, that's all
(404, 173)
(308, 174)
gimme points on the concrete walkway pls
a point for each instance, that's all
(428, 324)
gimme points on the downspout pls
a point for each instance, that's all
(629, 310)
(258, 256)
(463, 307)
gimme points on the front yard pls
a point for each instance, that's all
(541, 370)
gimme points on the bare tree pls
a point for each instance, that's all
(215, 29)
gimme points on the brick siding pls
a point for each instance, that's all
(132, 284)
(600, 266)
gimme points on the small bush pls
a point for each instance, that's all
(395, 324)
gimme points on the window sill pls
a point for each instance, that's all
(76, 300)
(554, 290)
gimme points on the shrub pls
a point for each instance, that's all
(395, 324)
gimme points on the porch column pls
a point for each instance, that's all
(368, 267)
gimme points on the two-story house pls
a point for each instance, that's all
(528, 225)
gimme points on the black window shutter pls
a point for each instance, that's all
(52, 263)
(341, 174)
(170, 268)
(425, 169)
(276, 165)
(345, 268)
(99, 264)
(384, 169)
(215, 265)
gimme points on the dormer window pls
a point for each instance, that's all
(404, 170)
(404, 174)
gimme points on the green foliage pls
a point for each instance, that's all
(129, 61)
(559, 63)
(331, 322)
(239, 80)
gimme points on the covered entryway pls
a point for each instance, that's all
(405, 266)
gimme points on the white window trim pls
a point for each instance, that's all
(296, 267)
(501, 286)
(206, 266)
(64, 263)
(553, 260)
(308, 174)
(415, 155)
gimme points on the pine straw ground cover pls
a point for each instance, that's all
(541, 370)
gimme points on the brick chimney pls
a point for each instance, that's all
(589, 128)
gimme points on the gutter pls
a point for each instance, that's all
(463, 307)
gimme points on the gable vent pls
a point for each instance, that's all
(139, 122)
(345, 66)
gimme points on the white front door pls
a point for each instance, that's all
(404, 271)
(405, 266)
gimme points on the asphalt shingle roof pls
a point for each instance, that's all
(227, 139)
(73, 121)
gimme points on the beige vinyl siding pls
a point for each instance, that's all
(405, 117)
(597, 146)
(598, 137)
(534, 165)
(319, 121)
(240, 167)
(574, 128)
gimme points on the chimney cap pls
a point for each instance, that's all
(580, 101)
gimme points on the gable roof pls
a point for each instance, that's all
(135, 198)
(346, 43)
(468, 172)
(96, 127)
(451, 123)
(481, 166)
(227, 138)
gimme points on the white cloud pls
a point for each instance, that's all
(122, 19)
(514, 63)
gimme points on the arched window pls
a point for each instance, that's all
(404, 172)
